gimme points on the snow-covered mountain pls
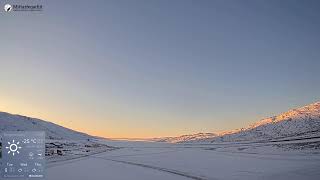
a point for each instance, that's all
(304, 121)
(185, 138)
(300, 122)
(11, 122)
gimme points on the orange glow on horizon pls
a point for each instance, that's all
(80, 124)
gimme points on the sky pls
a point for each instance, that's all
(151, 68)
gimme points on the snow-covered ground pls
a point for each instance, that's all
(147, 160)
(282, 147)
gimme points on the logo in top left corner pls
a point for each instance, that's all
(7, 7)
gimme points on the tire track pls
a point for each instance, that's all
(171, 171)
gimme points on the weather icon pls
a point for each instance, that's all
(13, 147)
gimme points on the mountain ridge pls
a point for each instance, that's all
(186, 137)
(16, 122)
(302, 121)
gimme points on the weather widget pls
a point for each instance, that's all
(23, 154)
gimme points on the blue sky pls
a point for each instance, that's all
(159, 68)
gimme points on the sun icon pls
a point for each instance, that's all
(13, 147)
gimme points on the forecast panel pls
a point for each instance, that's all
(23, 154)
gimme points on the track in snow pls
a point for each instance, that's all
(171, 171)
